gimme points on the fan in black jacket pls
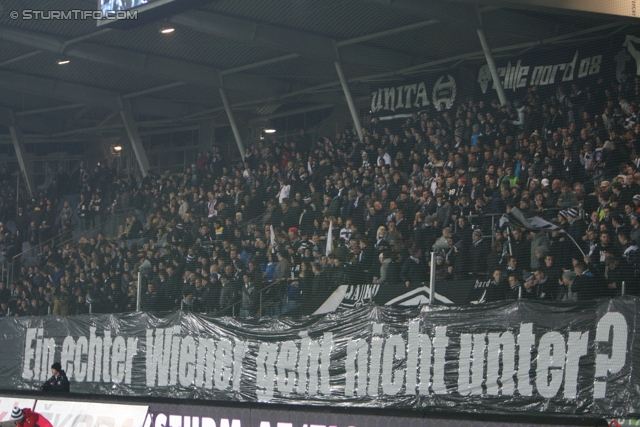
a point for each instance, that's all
(58, 381)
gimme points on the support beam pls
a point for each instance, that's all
(419, 68)
(293, 41)
(492, 67)
(84, 95)
(462, 14)
(20, 58)
(127, 96)
(261, 34)
(159, 107)
(352, 105)
(167, 68)
(134, 136)
(49, 110)
(291, 112)
(60, 90)
(339, 44)
(232, 121)
(8, 119)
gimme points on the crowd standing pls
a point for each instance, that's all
(241, 238)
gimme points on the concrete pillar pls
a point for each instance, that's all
(134, 137)
(352, 105)
(492, 67)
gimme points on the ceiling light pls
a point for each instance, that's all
(167, 30)
(63, 61)
(269, 130)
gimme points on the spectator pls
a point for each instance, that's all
(389, 271)
(58, 381)
(249, 298)
(478, 253)
(414, 271)
(444, 175)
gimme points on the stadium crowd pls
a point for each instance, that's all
(252, 237)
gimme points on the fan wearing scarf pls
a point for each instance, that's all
(27, 418)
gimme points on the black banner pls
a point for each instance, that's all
(498, 358)
(562, 66)
(400, 99)
(212, 416)
(458, 292)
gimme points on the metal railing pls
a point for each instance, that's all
(104, 225)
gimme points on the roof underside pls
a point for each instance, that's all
(263, 52)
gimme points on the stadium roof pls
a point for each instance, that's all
(271, 56)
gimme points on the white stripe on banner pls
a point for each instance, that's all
(333, 302)
(395, 116)
(418, 296)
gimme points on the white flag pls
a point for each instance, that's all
(517, 219)
(274, 246)
(330, 239)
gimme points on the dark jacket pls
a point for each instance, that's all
(414, 272)
(478, 256)
(58, 383)
(368, 262)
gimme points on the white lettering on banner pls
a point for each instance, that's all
(501, 352)
(418, 360)
(526, 340)
(106, 356)
(224, 422)
(414, 96)
(611, 324)
(80, 367)
(287, 367)
(38, 360)
(164, 420)
(205, 363)
(264, 373)
(394, 352)
(192, 361)
(158, 354)
(551, 360)
(471, 364)
(440, 342)
(223, 365)
(516, 76)
(68, 350)
(390, 98)
(355, 374)
(118, 360)
(383, 361)
(408, 90)
(92, 360)
(175, 351)
(94, 371)
(577, 347)
(359, 295)
(376, 358)
(187, 369)
(421, 96)
(317, 371)
(29, 354)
